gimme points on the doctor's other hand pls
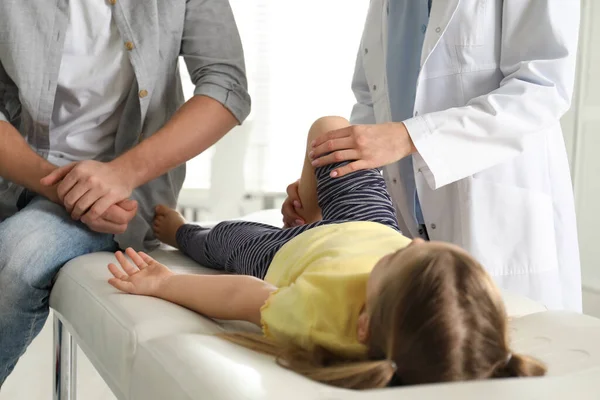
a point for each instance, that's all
(290, 207)
(366, 146)
(89, 188)
(145, 276)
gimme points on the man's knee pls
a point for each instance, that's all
(324, 125)
(27, 261)
(25, 277)
(32, 247)
(37, 241)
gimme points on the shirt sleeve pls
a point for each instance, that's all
(315, 312)
(301, 313)
(537, 60)
(287, 315)
(212, 50)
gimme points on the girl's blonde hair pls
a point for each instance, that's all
(439, 318)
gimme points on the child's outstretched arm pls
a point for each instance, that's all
(228, 297)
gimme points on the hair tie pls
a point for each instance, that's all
(508, 358)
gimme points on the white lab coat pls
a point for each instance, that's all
(491, 171)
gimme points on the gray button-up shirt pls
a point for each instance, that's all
(156, 33)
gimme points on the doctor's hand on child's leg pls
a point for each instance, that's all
(166, 223)
(145, 278)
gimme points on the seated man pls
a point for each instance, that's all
(90, 117)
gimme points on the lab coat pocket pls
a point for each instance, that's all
(467, 26)
(511, 228)
(473, 35)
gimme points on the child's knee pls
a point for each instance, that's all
(324, 125)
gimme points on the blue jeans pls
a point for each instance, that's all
(34, 244)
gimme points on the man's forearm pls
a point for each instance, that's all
(20, 164)
(198, 124)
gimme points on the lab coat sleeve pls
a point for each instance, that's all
(212, 50)
(362, 112)
(538, 55)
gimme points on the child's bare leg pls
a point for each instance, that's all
(307, 189)
(166, 223)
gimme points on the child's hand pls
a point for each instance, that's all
(290, 207)
(146, 279)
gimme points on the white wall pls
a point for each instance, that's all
(582, 135)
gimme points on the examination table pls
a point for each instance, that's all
(148, 349)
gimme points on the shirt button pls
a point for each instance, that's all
(129, 46)
(423, 28)
(421, 231)
(143, 93)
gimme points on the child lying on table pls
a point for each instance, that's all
(345, 299)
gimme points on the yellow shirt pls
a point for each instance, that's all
(322, 276)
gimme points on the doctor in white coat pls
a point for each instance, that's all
(460, 102)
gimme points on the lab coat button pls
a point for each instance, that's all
(374, 87)
(416, 113)
(129, 46)
(438, 29)
(433, 226)
(366, 51)
(395, 180)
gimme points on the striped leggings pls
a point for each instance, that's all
(248, 248)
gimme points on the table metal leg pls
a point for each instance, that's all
(65, 363)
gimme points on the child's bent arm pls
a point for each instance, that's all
(229, 297)
(238, 297)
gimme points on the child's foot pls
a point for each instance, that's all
(166, 223)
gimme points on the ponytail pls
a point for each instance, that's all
(519, 366)
(319, 365)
